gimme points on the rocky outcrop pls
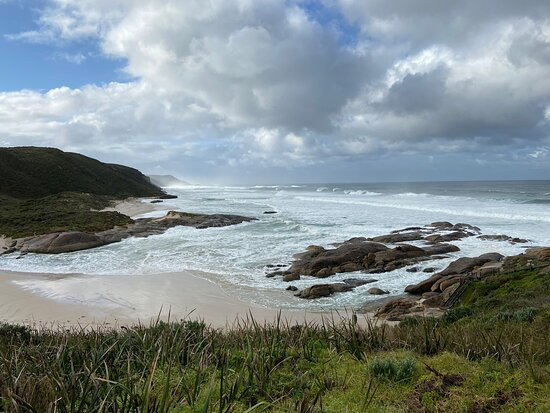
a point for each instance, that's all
(511, 240)
(61, 242)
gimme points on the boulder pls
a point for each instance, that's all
(292, 288)
(156, 201)
(412, 269)
(490, 268)
(270, 212)
(323, 290)
(435, 300)
(429, 269)
(398, 237)
(397, 307)
(501, 237)
(540, 253)
(61, 242)
(466, 264)
(441, 249)
(357, 282)
(441, 225)
(291, 277)
(452, 236)
(377, 291)
(423, 286)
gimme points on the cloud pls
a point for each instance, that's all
(269, 83)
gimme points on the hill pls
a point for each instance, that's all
(32, 172)
(167, 180)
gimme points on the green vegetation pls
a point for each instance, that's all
(60, 212)
(521, 296)
(46, 190)
(426, 366)
(30, 172)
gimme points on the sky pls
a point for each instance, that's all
(283, 91)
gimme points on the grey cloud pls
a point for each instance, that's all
(260, 84)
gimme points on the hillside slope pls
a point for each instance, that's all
(32, 172)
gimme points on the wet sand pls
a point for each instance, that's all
(114, 300)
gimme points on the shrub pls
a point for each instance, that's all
(390, 369)
(454, 314)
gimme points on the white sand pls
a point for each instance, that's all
(133, 207)
(39, 299)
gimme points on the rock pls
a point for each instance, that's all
(377, 291)
(353, 240)
(466, 264)
(441, 249)
(60, 242)
(397, 307)
(398, 237)
(323, 290)
(9, 251)
(291, 277)
(449, 292)
(435, 300)
(199, 221)
(156, 201)
(318, 262)
(292, 288)
(429, 269)
(270, 212)
(541, 253)
(429, 294)
(452, 236)
(408, 229)
(413, 269)
(357, 282)
(445, 284)
(500, 237)
(490, 268)
(461, 226)
(168, 196)
(423, 286)
(441, 225)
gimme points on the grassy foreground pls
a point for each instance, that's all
(469, 365)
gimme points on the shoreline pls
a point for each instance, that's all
(118, 301)
(133, 207)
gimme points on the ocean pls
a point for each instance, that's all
(320, 214)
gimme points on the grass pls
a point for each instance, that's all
(67, 211)
(340, 366)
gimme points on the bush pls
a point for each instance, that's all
(393, 370)
(454, 314)
(526, 314)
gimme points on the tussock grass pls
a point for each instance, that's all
(337, 366)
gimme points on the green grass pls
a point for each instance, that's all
(60, 212)
(505, 294)
(337, 367)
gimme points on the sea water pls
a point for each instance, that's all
(321, 214)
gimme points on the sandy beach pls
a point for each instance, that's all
(125, 300)
(133, 206)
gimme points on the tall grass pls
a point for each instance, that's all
(187, 366)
